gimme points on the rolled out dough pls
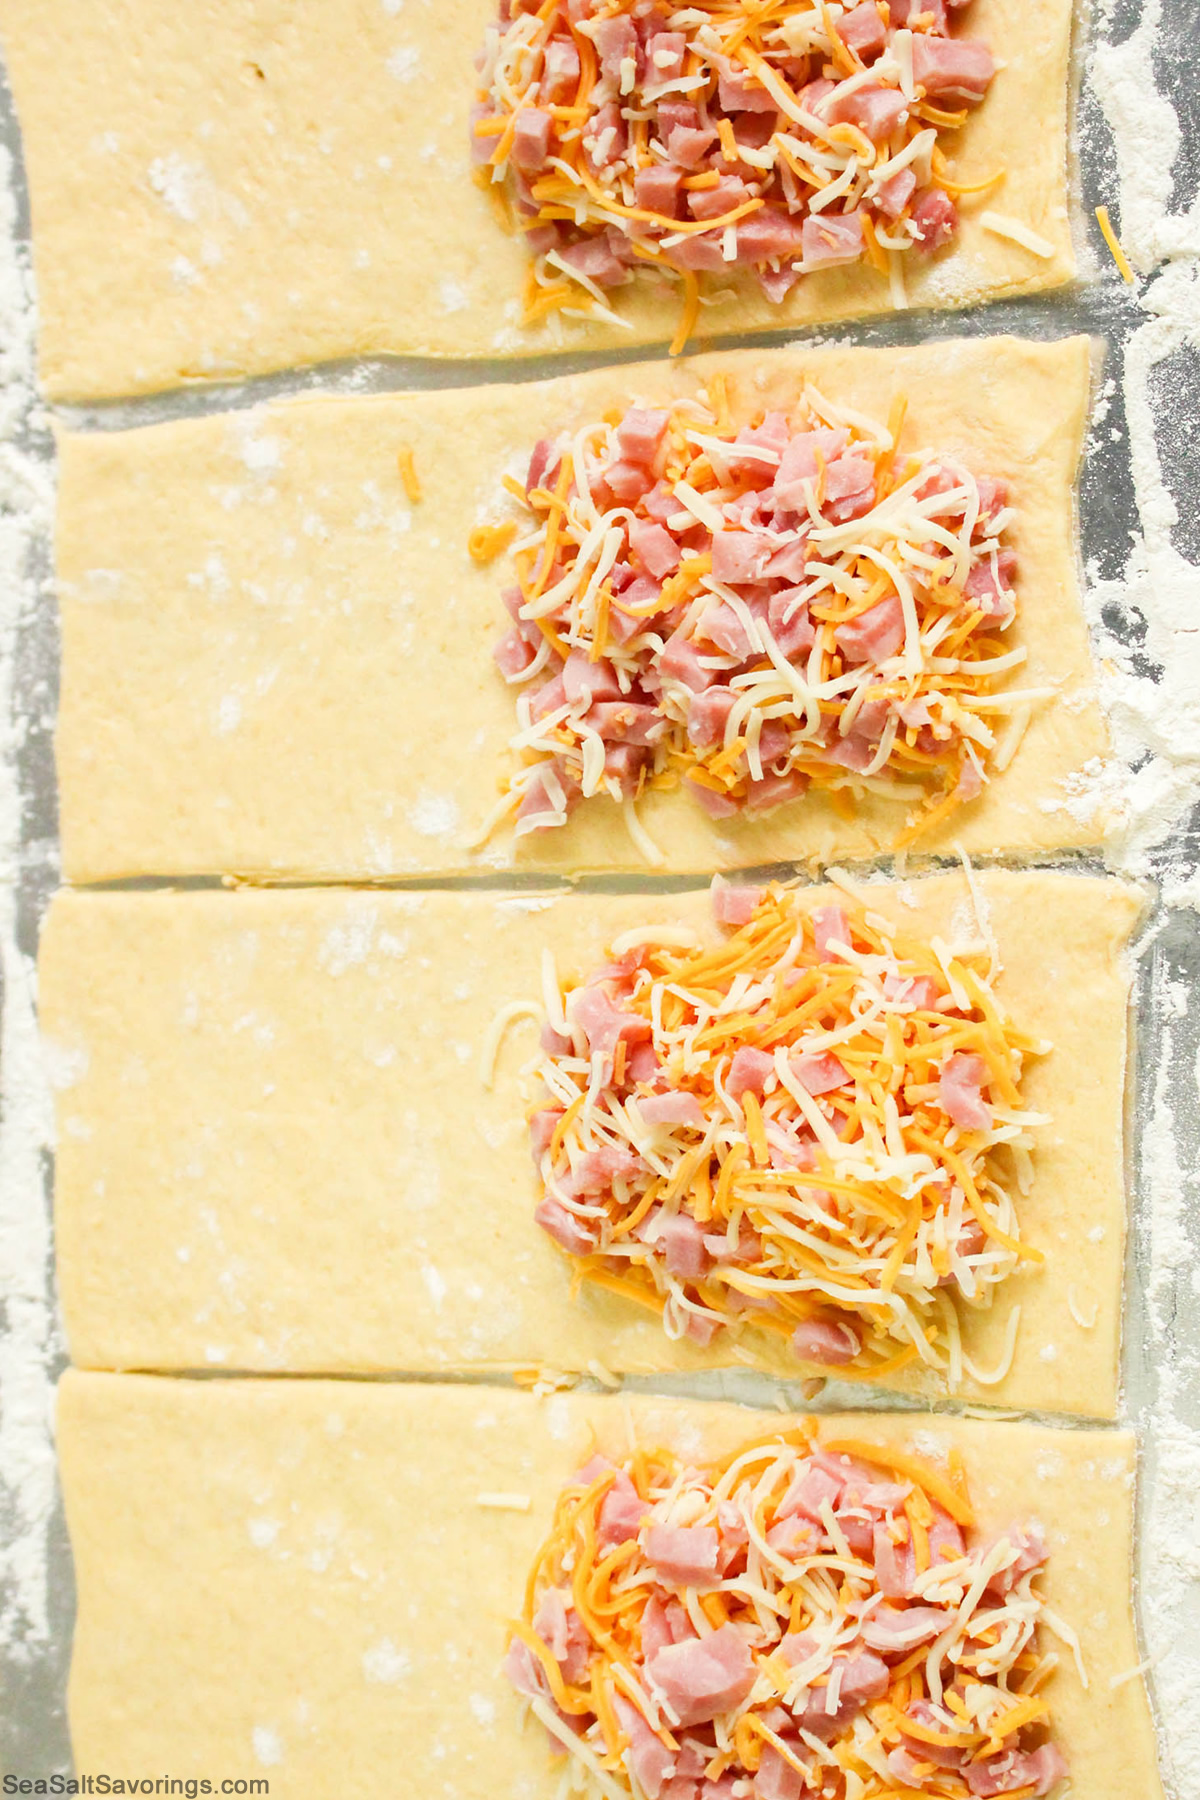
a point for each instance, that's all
(219, 191)
(297, 1578)
(276, 1151)
(275, 666)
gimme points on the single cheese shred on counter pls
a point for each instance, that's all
(753, 612)
(814, 1129)
(799, 1619)
(788, 137)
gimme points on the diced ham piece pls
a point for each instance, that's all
(640, 434)
(775, 790)
(595, 258)
(707, 715)
(560, 71)
(681, 1241)
(665, 53)
(705, 1676)
(531, 139)
(748, 1072)
(654, 548)
(650, 1762)
(702, 251)
(830, 926)
(578, 1236)
(688, 145)
(723, 627)
(623, 721)
(606, 137)
(936, 219)
(952, 68)
(596, 1170)
(714, 202)
(738, 91)
(604, 1025)
(615, 39)
(831, 239)
(849, 488)
(863, 31)
(734, 905)
(526, 1673)
(917, 991)
(990, 587)
(820, 1073)
(771, 437)
(542, 1126)
(664, 1622)
(788, 562)
(583, 678)
(672, 1109)
(777, 284)
(513, 654)
(809, 1492)
(1036, 1769)
(875, 109)
(801, 462)
(740, 556)
(686, 1556)
(1031, 1554)
(564, 1634)
(830, 1342)
(960, 1092)
(875, 634)
(621, 1513)
(791, 626)
(865, 1677)
(628, 481)
(540, 805)
(657, 189)
(680, 660)
(769, 233)
(776, 1778)
(544, 465)
(547, 698)
(895, 193)
(717, 806)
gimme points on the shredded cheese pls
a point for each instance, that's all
(752, 1556)
(1114, 245)
(573, 126)
(1001, 225)
(406, 462)
(798, 1129)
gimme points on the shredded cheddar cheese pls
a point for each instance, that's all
(796, 1607)
(406, 461)
(781, 137)
(856, 644)
(1114, 245)
(799, 1130)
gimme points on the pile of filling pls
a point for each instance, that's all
(812, 1129)
(752, 612)
(794, 1621)
(787, 136)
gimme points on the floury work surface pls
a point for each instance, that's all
(1138, 132)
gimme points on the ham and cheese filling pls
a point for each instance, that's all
(793, 1621)
(786, 137)
(814, 1129)
(753, 612)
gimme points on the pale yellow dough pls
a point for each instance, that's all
(298, 1578)
(225, 190)
(276, 1150)
(274, 665)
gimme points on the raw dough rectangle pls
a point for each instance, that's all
(297, 1578)
(275, 666)
(276, 1151)
(225, 190)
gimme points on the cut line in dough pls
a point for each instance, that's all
(275, 665)
(276, 1151)
(328, 1604)
(300, 190)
